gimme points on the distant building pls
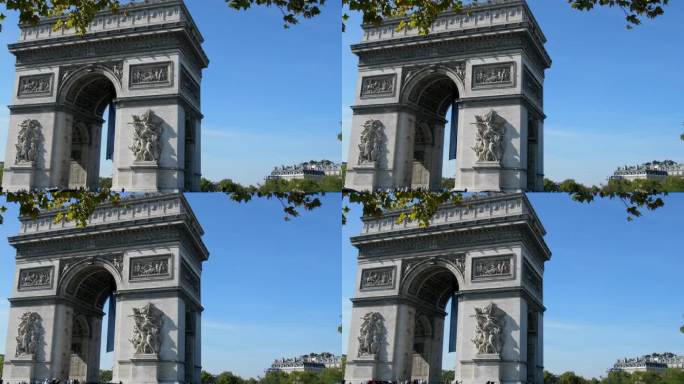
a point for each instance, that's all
(655, 362)
(314, 170)
(313, 362)
(654, 170)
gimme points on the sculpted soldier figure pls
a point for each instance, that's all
(372, 334)
(489, 137)
(488, 330)
(146, 329)
(27, 141)
(370, 146)
(146, 137)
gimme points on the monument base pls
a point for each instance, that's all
(362, 176)
(486, 370)
(19, 369)
(487, 176)
(144, 368)
(145, 176)
(362, 369)
(19, 176)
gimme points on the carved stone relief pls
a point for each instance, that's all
(493, 75)
(489, 137)
(147, 329)
(35, 85)
(372, 334)
(146, 137)
(28, 141)
(371, 143)
(378, 278)
(30, 333)
(378, 86)
(150, 75)
(487, 267)
(489, 328)
(149, 267)
(35, 278)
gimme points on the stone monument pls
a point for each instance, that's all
(487, 65)
(486, 255)
(144, 255)
(146, 65)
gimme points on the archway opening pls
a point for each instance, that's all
(434, 324)
(436, 98)
(92, 292)
(91, 97)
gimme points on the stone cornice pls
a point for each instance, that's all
(453, 45)
(158, 38)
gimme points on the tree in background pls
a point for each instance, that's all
(105, 376)
(448, 376)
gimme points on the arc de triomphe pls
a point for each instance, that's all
(144, 255)
(487, 65)
(146, 65)
(486, 255)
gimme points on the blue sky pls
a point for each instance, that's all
(612, 288)
(270, 96)
(612, 96)
(270, 288)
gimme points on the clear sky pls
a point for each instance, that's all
(612, 289)
(270, 288)
(270, 96)
(612, 96)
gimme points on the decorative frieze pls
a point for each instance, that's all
(493, 75)
(371, 142)
(150, 75)
(153, 267)
(492, 267)
(28, 141)
(35, 278)
(489, 329)
(30, 333)
(378, 278)
(35, 85)
(378, 86)
(371, 334)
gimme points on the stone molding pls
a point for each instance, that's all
(496, 75)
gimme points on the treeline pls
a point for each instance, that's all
(670, 376)
(325, 184)
(325, 376)
(670, 184)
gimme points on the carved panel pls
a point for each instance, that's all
(378, 278)
(532, 280)
(189, 86)
(150, 267)
(190, 279)
(150, 75)
(378, 86)
(494, 75)
(35, 278)
(533, 88)
(492, 267)
(35, 85)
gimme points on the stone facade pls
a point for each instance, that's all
(145, 253)
(488, 254)
(148, 61)
(490, 60)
